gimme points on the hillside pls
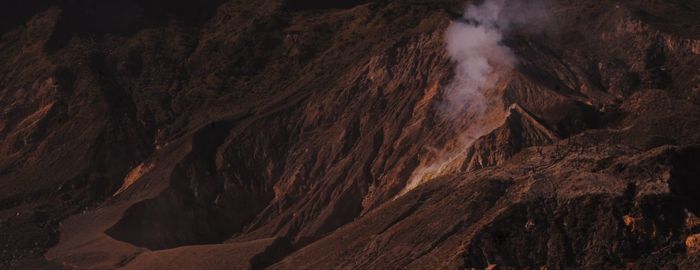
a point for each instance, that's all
(290, 134)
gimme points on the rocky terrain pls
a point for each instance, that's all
(293, 134)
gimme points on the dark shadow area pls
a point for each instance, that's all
(101, 17)
(185, 213)
(18, 12)
(295, 5)
(201, 206)
(685, 177)
(275, 252)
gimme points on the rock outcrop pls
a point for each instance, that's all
(312, 135)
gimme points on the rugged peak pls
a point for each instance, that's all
(289, 134)
(519, 130)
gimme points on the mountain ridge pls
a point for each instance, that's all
(300, 134)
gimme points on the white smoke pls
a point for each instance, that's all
(475, 45)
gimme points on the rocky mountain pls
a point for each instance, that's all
(305, 134)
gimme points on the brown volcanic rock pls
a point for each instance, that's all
(565, 213)
(520, 130)
(285, 132)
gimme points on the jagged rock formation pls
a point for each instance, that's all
(289, 134)
(520, 130)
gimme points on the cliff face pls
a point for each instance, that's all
(313, 134)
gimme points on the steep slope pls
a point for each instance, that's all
(588, 201)
(312, 134)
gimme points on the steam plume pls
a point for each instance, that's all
(474, 43)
